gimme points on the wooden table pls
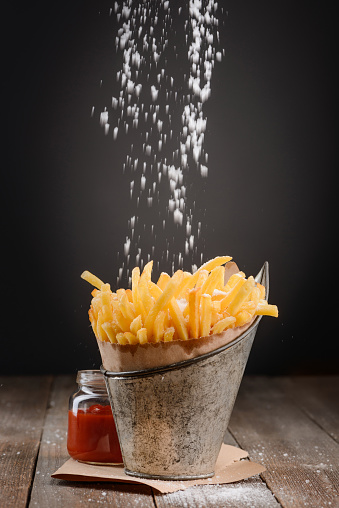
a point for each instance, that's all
(289, 424)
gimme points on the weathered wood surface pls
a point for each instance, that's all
(301, 458)
(288, 424)
(23, 402)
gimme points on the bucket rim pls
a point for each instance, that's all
(262, 277)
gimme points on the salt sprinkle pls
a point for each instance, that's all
(143, 43)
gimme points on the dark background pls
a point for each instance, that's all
(270, 194)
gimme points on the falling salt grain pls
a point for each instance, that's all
(201, 34)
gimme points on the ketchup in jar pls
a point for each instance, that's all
(92, 436)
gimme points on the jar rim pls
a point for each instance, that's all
(90, 377)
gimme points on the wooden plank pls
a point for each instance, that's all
(23, 403)
(301, 459)
(251, 492)
(49, 492)
(318, 396)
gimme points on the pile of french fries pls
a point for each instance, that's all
(180, 307)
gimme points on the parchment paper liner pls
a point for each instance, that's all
(125, 358)
(229, 468)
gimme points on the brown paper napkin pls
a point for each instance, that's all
(228, 469)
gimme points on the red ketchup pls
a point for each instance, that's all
(92, 436)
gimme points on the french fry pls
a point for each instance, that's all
(163, 280)
(212, 263)
(163, 300)
(201, 278)
(262, 290)
(169, 334)
(136, 325)
(183, 287)
(178, 319)
(92, 279)
(240, 296)
(232, 281)
(144, 293)
(100, 331)
(206, 315)
(266, 309)
(214, 281)
(110, 331)
(132, 339)
(125, 305)
(129, 295)
(147, 271)
(142, 335)
(121, 339)
(137, 302)
(239, 282)
(106, 306)
(93, 321)
(159, 326)
(123, 323)
(243, 317)
(255, 295)
(194, 305)
(223, 324)
(154, 290)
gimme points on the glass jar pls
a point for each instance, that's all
(92, 436)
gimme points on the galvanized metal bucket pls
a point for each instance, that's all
(171, 420)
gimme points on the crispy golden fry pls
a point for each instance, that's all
(129, 295)
(132, 339)
(122, 322)
(110, 331)
(142, 335)
(106, 306)
(137, 301)
(215, 280)
(233, 280)
(125, 305)
(240, 296)
(163, 300)
(194, 312)
(262, 291)
(175, 308)
(243, 317)
(159, 326)
(239, 282)
(217, 295)
(100, 331)
(93, 321)
(223, 324)
(182, 291)
(154, 290)
(169, 334)
(163, 280)
(178, 319)
(92, 279)
(147, 271)
(121, 339)
(136, 325)
(206, 315)
(201, 277)
(266, 309)
(255, 295)
(144, 293)
(212, 263)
